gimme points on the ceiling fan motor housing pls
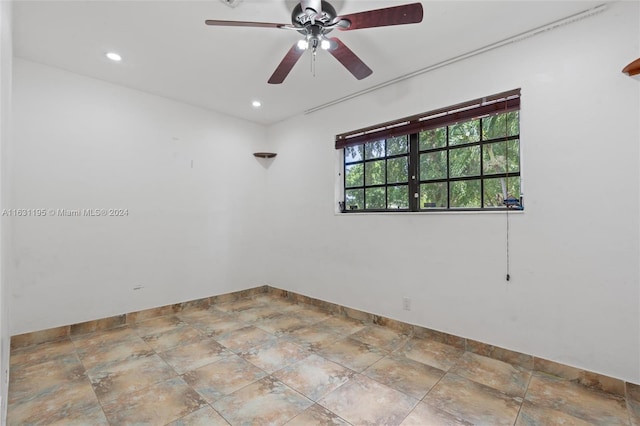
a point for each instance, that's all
(301, 18)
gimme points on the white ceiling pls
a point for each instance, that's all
(168, 50)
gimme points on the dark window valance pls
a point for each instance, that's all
(498, 103)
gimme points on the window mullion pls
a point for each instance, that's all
(448, 170)
(414, 158)
(481, 166)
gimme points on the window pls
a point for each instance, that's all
(464, 157)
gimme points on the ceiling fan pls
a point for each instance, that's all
(316, 18)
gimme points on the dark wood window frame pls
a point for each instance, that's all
(410, 127)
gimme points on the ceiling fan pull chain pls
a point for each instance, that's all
(313, 62)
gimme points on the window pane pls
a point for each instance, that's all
(464, 194)
(353, 153)
(434, 138)
(397, 170)
(374, 150)
(494, 154)
(397, 145)
(374, 173)
(494, 190)
(465, 132)
(354, 175)
(354, 199)
(433, 195)
(501, 125)
(464, 161)
(398, 197)
(433, 165)
(375, 198)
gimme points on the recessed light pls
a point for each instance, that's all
(114, 56)
(256, 104)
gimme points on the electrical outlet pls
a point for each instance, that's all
(406, 303)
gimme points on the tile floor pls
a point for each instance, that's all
(266, 361)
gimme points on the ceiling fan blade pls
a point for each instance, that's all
(286, 65)
(349, 59)
(246, 24)
(397, 15)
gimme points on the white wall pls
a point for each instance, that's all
(5, 114)
(82, 143)
(574, 294)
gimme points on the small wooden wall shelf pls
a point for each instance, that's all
(264, 154)
(633, 68)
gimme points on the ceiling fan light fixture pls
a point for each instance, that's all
(325, 44)
(303, 44)
(113, 56)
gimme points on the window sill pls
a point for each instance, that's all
(437, 213)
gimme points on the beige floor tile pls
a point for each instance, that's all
(258, 313)
(352, 354)
(216, 380)
(265, 402)
(30, 355)
(157, 404)
(280, 324)
(533, 415)
(472, 402)
(195, 355)
(269, 299)
(406, 375)
(307, 314)
(65, 405)
(203, 317)
(313, 337)
(314, 376)
(499, 375)
(103, 347)
(157, 325)
(205, 416)
(274, 355)
(426, 415)
(296, 307)
(220, 326)
(342, 325)
(634, 412)
(45, 378)
(317, 415)
(183, 335)
(577, 401)
(113, 380)
(435, 354)
(633, 403)
(240, 305)
(382, 338)
(245, 338)
(363, 401)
